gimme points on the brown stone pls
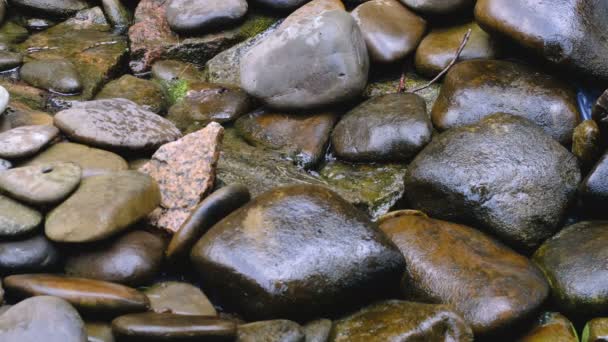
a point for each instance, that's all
(185, 172)
(551, 327)
(596, 330)
(491, 286)
(586, 143)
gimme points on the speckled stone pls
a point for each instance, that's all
(185, 172)
(41, 184)
(276, 330)
(25, 141)
(116, 124)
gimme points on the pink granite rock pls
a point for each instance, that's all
(185, 172)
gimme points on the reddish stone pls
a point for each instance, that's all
(185, 172)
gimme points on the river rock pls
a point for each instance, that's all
(170, 327)
(180, 299)
(570, 262)
(99, 332)
(209, 212)
(290, 69)
(435, 7)
(594, 188)
(392, 127)
(551, 326)
(490, 174)
(117, 14)
(478, 88)
(34, 254)
(92, 161)
(206, 102)
(318, 330)
(188, 16)
(438, 48)
(58, 8)
(402, 321)
(390, 30)
(301, 137)
(580, 44)
(116, 124)
(596, 330)
(279, 330)
(58, 76)
(586, 143)
(5, 165)
(489, 285)
(19, 114)
(25, 141)
(146, 93)
(43, 318)
(173, 70)
(17, 219)
(185, 172)
(41, 184)
(10, 60)
(133, 259)
(266, 258)
(88, 215)
(88, 296)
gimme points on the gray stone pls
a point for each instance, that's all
(43, 318)
(188, 16)
(35, 254)
(503, 174)
(117, 14)
(58, 76)
(438, 6)
(10, 60)
(25, 141)
(60, 8)
(291, 69)
(17, 219)
(116, 123)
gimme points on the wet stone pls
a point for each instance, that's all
(401, 321)
(586, 143)
(386, 128)
(321, 255)
(579, 45)
(290, 69)
(570, 262)
(438, 48)
(116, 124)
(92, 161)
(475, 89)
(117, 14)
(88, 296)
(19, 114)
(318, 330)
(438, 7)
(17, 219)
(390, 30)
(5, 165)
(551, 327)
(88, 215)
(276, 330)
(170, 327)
(173, 70)
(4, 99)
(489, 285)
(594, 188)
(42, 318)
(39, 24)
(59, 8)
(10, 34)
(99, 332)
(188, 16)
(58, 76)
(148, 94)
(209, 212)
(35, 254)
(25, 141)
(596, 330)
(10, 60)
(206, 102)
(132, 259)
(41, 184)
(300, 137)
(185, 172)
(490, 174)
(180, 299)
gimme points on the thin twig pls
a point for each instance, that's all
(447, 68)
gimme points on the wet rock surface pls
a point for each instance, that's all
(276, 330)
(25, 141)
(456, 177)
(145, 93)
(473, 90)
(492, 287)
(180, 299)
(35, 254)
(552, 326)
(262, 245)
(17, 219)
(186, 16)
(55, 75)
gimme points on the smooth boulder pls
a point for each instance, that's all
(502, 174)
(33, 254)
(16, 219)
(312, 62)
(115, 124)
(191, 16)
(296, 252)
(489, 285)
(280, 330)
(59, 8)
(438, 7)
(59, 76)
(43, 318)
(103, 206)
(594, 188)
(180, 299)
(25, 141)
(392, 127)
(475, 89)
(572, 263)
